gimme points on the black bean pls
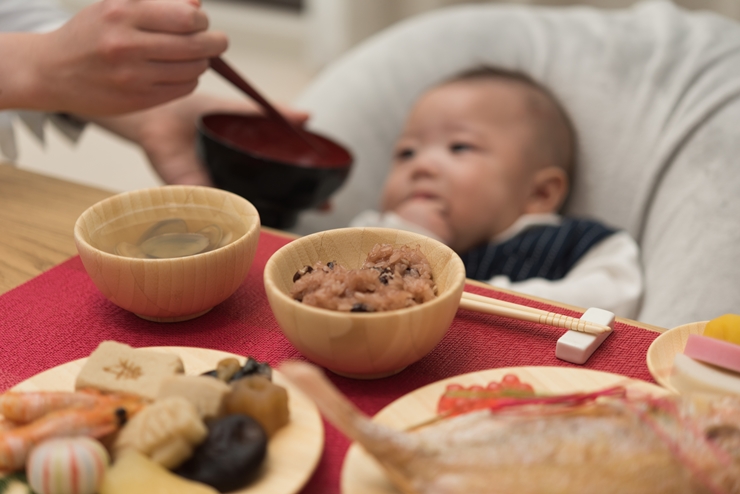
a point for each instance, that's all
(252, 367)
(304, 270)
(385, 278)
(121, 416)
(360, 307)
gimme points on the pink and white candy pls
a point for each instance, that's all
(70, 465)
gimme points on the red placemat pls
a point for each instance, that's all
(61, 316)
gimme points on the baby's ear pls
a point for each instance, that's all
(549, 190)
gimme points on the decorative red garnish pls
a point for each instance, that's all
(511, 393)
(458, 399)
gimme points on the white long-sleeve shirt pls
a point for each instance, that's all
(31, 16)
(609, 276)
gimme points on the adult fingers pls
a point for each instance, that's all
(177, 72)
(161, 47)
(163, 93)
(168, 16)
(298, 117)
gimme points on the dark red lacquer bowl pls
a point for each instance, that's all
(274, 169)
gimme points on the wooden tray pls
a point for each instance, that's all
(293, 452)
(361, 474)
(665, 347)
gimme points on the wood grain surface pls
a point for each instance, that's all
(362, 474)
(293, 452)
(37, 217)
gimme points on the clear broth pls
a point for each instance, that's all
(127, 230)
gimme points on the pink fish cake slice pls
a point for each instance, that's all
(713, 351)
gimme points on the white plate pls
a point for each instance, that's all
(292, 454)
(664, 348)
(361, 474)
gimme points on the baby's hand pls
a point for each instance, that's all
(429, 214)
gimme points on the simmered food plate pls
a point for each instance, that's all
(361, 474)
(293, 452)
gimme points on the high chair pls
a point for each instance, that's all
(654, 94)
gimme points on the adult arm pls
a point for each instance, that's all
(167, 133)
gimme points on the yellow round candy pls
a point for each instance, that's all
(725, 328)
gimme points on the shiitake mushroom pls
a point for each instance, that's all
(252, 367)
(230, 456)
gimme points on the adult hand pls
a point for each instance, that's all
(118, 56)
(167, 134)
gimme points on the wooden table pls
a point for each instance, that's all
(37, 217)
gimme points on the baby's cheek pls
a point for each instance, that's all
(391, 194)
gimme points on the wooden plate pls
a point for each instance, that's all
(293, 452)
(664, 348)
(361, 474)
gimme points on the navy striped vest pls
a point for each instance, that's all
(540, 251)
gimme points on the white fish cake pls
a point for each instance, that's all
(118, 368)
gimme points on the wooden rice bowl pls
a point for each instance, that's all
(354, 344)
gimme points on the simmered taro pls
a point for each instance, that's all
(391, 278)
(262, 400)
(230, 456)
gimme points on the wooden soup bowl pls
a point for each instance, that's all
(354, 344)
(173, 289)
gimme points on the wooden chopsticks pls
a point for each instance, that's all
(479, 303)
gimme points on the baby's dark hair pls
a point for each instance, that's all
(555, 129)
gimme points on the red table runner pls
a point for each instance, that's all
(61, 316)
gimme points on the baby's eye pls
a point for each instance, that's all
(404, 154)
(460, 147)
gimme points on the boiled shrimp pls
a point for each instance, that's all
(6, 425)
(102, 419)
(23, 407)
(612, 443)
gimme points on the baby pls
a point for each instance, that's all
(483, 165)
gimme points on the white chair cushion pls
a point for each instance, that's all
(653, 91)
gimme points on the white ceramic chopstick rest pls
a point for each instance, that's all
(577, 347)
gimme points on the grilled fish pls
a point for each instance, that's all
(608, 444)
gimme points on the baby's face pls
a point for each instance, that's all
(462, 166)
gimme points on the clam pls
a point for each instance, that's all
(172, 225)
(214, 234)
(126, 249)
(169, 245)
